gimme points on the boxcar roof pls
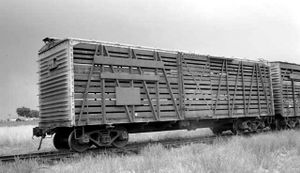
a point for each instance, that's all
(284, 62)
(51, 42)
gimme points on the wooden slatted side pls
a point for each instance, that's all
(219, 87)
(54, 93)
(286, 88)
(117, 66)
(172, 85)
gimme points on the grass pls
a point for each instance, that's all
(18, 139)
(264, 153)
(18, 123)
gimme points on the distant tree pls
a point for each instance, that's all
(34, 114)
(27, 113)
(23, 112)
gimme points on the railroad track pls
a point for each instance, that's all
(131, 148)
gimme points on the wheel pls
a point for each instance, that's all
(234, 131)
(122, 137)
(60, 140)
(76, 145)
(57, 141)
(298, 123)
(216, 131)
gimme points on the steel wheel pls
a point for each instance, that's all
(216, 131)
(60, 140)
(122, 138)
(76, 145)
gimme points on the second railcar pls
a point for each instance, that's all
(286, 87)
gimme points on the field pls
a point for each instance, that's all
(18, 123)
(18, 139)
(263, 153)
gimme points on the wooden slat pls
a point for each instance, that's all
(289, 66)
(128, 62)
(124, 76)
(295, 76)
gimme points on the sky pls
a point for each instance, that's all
(268, 29)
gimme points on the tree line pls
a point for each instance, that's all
(27, 112)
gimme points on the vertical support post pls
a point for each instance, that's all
(235, 88)
(103, 96)
(251, 86)
(243, 85)
(157, 89)
(131, 82)
(294, 98)
(219, 87)
(227, 86)
(269, 76)
(180, 84)
(258, 90)
(210, 83)
(103, 91)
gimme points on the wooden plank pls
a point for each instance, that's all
(50, 54)
(140, 117)
(167, 64)
(121, 109)
(79, 96)
(98, 102)
(140, 52)
(60, 102)
(124, 76)
(289, 66)
(128, 62)
(295, 76)
(51, 95)
(221, 102)
(56, 76)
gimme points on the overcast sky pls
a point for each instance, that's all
(268, 29)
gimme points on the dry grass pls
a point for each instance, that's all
(276, 152)
(18, 139)
(18, 123)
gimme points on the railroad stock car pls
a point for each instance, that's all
(286, 89)
(95, 93)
